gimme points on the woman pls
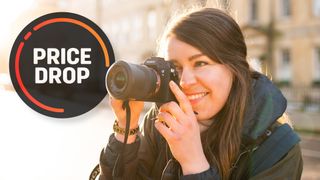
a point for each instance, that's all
(224, 115)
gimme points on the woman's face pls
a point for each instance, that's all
(206, 83)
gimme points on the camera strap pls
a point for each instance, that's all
(118, 169)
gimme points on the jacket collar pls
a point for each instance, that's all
(266, 106)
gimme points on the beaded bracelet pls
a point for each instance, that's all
(118, 129)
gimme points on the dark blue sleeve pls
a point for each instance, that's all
(211, 173)
(109, 156)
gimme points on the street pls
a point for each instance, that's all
(310, 145)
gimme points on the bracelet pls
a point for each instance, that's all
(118, 129)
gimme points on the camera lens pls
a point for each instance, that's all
(131, 81)
(120, 80)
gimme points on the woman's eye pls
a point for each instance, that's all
(200, 63)
(179, 68)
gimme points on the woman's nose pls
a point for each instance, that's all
(187, 78)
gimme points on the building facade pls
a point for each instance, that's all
(286, 32)
(135, 27)
(282, 35)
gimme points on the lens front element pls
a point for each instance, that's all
(120, 80)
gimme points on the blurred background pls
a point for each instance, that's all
(283, 39)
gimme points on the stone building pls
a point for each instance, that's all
(285, 32)
(134, 27)
(282, 35)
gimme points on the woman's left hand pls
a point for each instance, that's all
(182, 132)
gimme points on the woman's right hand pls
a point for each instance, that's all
(136, 108)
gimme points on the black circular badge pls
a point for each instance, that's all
(58, 64)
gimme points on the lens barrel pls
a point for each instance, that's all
(131, 81)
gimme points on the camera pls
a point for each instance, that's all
(146, 82)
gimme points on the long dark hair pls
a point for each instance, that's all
(219, 37)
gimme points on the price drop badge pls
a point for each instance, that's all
(58, 64)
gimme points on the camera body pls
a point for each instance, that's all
(147, 82)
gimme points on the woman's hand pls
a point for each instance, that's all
(120, 113)
(182, 133)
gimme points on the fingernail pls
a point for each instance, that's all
(171, 83)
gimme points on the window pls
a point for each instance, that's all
(284, 70)
(224, 3)
(285, 8)
(137, 28)
(255, 64)
(152, 22)
(316, 7)
(253, 14)
(123, 31)
(114, 28)
(316, 65)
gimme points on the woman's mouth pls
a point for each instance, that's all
(194, 98)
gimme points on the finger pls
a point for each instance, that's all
(181, 98)
(115, 102)
(174, 109)
(136, 103)
(164, 130)
(169, 120)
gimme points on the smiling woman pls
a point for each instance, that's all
(205, 82)
(224, 124)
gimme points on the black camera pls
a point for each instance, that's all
(146, 82)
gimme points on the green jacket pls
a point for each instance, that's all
(150, 157)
